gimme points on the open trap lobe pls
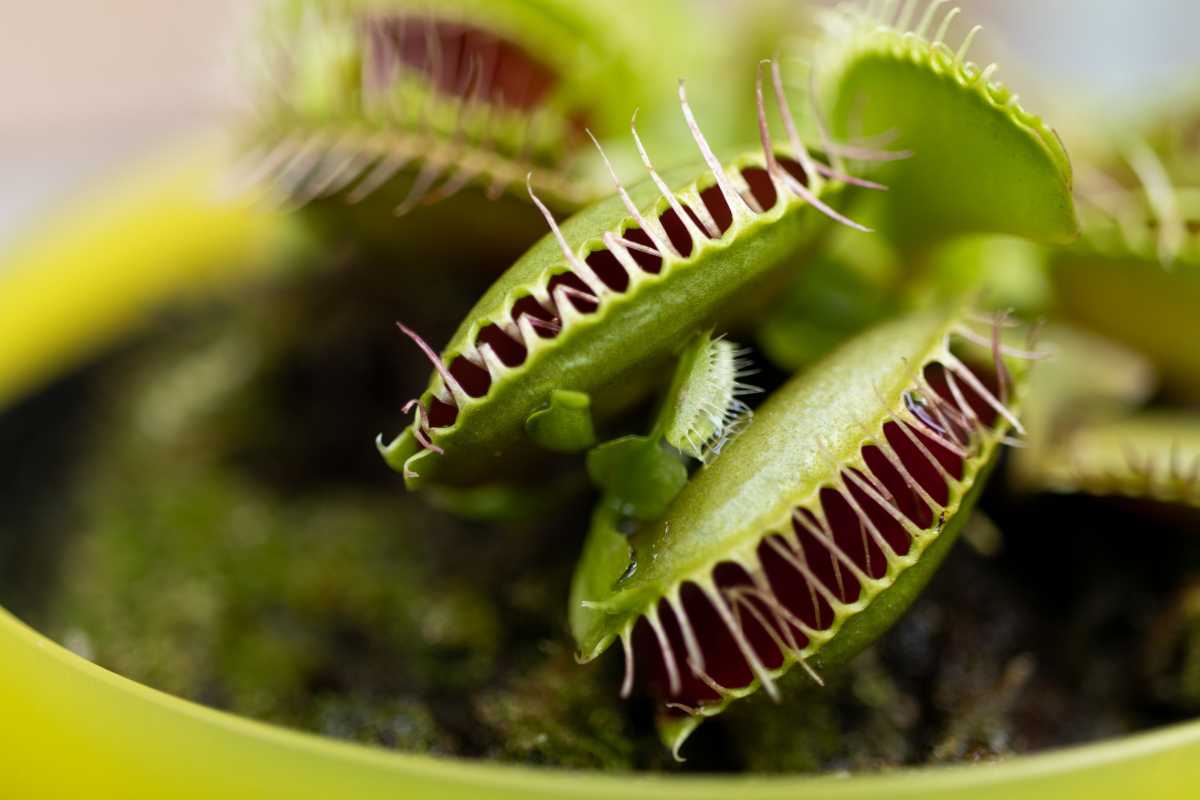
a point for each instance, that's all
(705, 644)
(609, 270)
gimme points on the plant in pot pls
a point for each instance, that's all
(767, 534)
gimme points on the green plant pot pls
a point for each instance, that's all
(71, 729)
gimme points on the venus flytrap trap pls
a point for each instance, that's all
(373, 109)
(976, 164)
(704, 409)
(368, 111)
(1087, 435)
(365, 90)
(889, 70)
(1134, 276)
(610, 294)
(814, 529)
(1149, 456)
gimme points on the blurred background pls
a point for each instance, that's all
(89, 83)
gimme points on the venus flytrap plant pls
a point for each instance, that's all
(611, 293)
(814, 529)
(728, 547)
(1003, 149)
(889, 69)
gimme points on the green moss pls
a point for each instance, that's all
(403, 723)
(559, 714)
(861, 719)
(201, 585)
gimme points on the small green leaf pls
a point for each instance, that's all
(565, 424)
(1152, 456)
(611, 558)
(638, 474)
